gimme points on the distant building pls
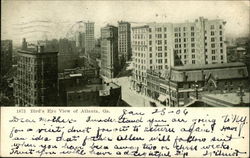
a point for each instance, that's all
(89, 36)
(85, 39)
(124, 42)
(109, 51)
(231, 53)
(6, 57)
(67, 52)
(36, 78)
(177, 86)
(164, 45)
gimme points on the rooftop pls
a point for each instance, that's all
(208, 66)
(33, 52)
(92, 87)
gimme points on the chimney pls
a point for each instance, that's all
(40, 49)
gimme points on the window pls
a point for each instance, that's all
(193, 61)
(150, 30)
(165, 48)
(221, 51)
(150, 49)
(166, 60)
(192, 45)
(193, 50)
(150, 42)
(165, 42)
(165, 29)
(220, 32)
(150, 61)
(192, 39)
(212, 33)
(213, 45)
(150, 55)
(150, 36)
(213, 57)
(192, 33)
(159, 61)
(159, 54)
(193, 55)
(212, 39)
(213, 51)
(184, 28)
(221, 44)
(221, 39)
(159, 42)
(192, 28)
(159, 48)
(165, 35)
(221, 57)
(212, 27)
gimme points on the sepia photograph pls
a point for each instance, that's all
(125, 78)
(125, 53)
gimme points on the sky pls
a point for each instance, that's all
(58, 19)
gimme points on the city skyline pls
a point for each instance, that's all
(34, 19)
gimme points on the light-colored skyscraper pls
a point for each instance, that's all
(85, 38)
(164, 45)
(89, 36)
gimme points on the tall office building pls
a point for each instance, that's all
(89, 36)
(109, 51)
(85, 38)
(6, 57)
(36, 78)
(124, 41)
(164, 45)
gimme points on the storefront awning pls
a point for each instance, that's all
(162, 98)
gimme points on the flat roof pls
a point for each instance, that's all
(208, 66)
(35, 52)
(91, 87)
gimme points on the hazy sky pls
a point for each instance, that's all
(34, 19)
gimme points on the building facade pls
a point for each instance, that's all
(164, 45)
(109, 51)
(6, 57)
(85, 38)
(124, 42)
(89, 36)
(36, 78)
(177, 86)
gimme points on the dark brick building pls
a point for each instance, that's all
(36, 78)
(6, 57)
